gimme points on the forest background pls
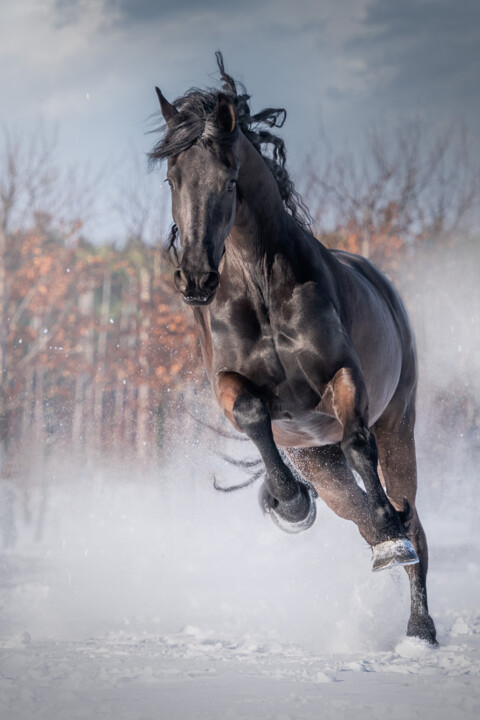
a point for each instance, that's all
(98, 356)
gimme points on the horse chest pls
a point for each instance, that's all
(245, 341)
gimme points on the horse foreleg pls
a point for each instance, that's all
(396, 447)
(288, 501)
(349, 402)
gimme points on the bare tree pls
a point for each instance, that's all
(414, 182)
(141, 202)
(35, 191)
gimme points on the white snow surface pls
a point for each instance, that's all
(160, 598)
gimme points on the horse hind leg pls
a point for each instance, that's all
(396, 448)
(327, 470)
(349, 404)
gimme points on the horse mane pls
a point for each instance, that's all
(196, 123)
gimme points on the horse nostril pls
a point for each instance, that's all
(210, 280)
(180, 280)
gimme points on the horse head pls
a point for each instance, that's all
(202, 178)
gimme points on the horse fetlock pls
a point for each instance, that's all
(294, 515)
(297, 507)
(283, 485)
(386, 521)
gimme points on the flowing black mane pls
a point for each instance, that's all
(196, 123)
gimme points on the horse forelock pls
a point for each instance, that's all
(195, 122)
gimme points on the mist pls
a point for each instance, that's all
(444, 304)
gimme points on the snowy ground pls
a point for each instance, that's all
(166, 600)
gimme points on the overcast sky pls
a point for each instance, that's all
(90, 66)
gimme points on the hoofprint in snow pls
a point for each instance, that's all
(141, 603)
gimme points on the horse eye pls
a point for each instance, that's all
(170, 184)
(231, 185)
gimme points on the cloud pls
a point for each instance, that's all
(422, 51)
(141, 11)
(129, 13)
(419, 18)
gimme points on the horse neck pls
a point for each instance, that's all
(261, 220)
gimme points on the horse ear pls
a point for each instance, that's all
(169, 111)
(225, 112)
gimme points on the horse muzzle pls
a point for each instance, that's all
(197, 290)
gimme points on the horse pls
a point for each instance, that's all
(308, 350)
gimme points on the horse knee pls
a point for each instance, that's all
(251, 414)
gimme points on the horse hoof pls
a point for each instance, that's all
(291, 516)
(393, 552)
(422, 627)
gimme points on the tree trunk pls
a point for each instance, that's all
(143, 424)
(100, 376)
(3, 349)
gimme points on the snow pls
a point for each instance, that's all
(194, 674)
(146, 598)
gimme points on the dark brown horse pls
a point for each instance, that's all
(306, 348)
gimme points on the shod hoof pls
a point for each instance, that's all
(291, 516)
(393, 552)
